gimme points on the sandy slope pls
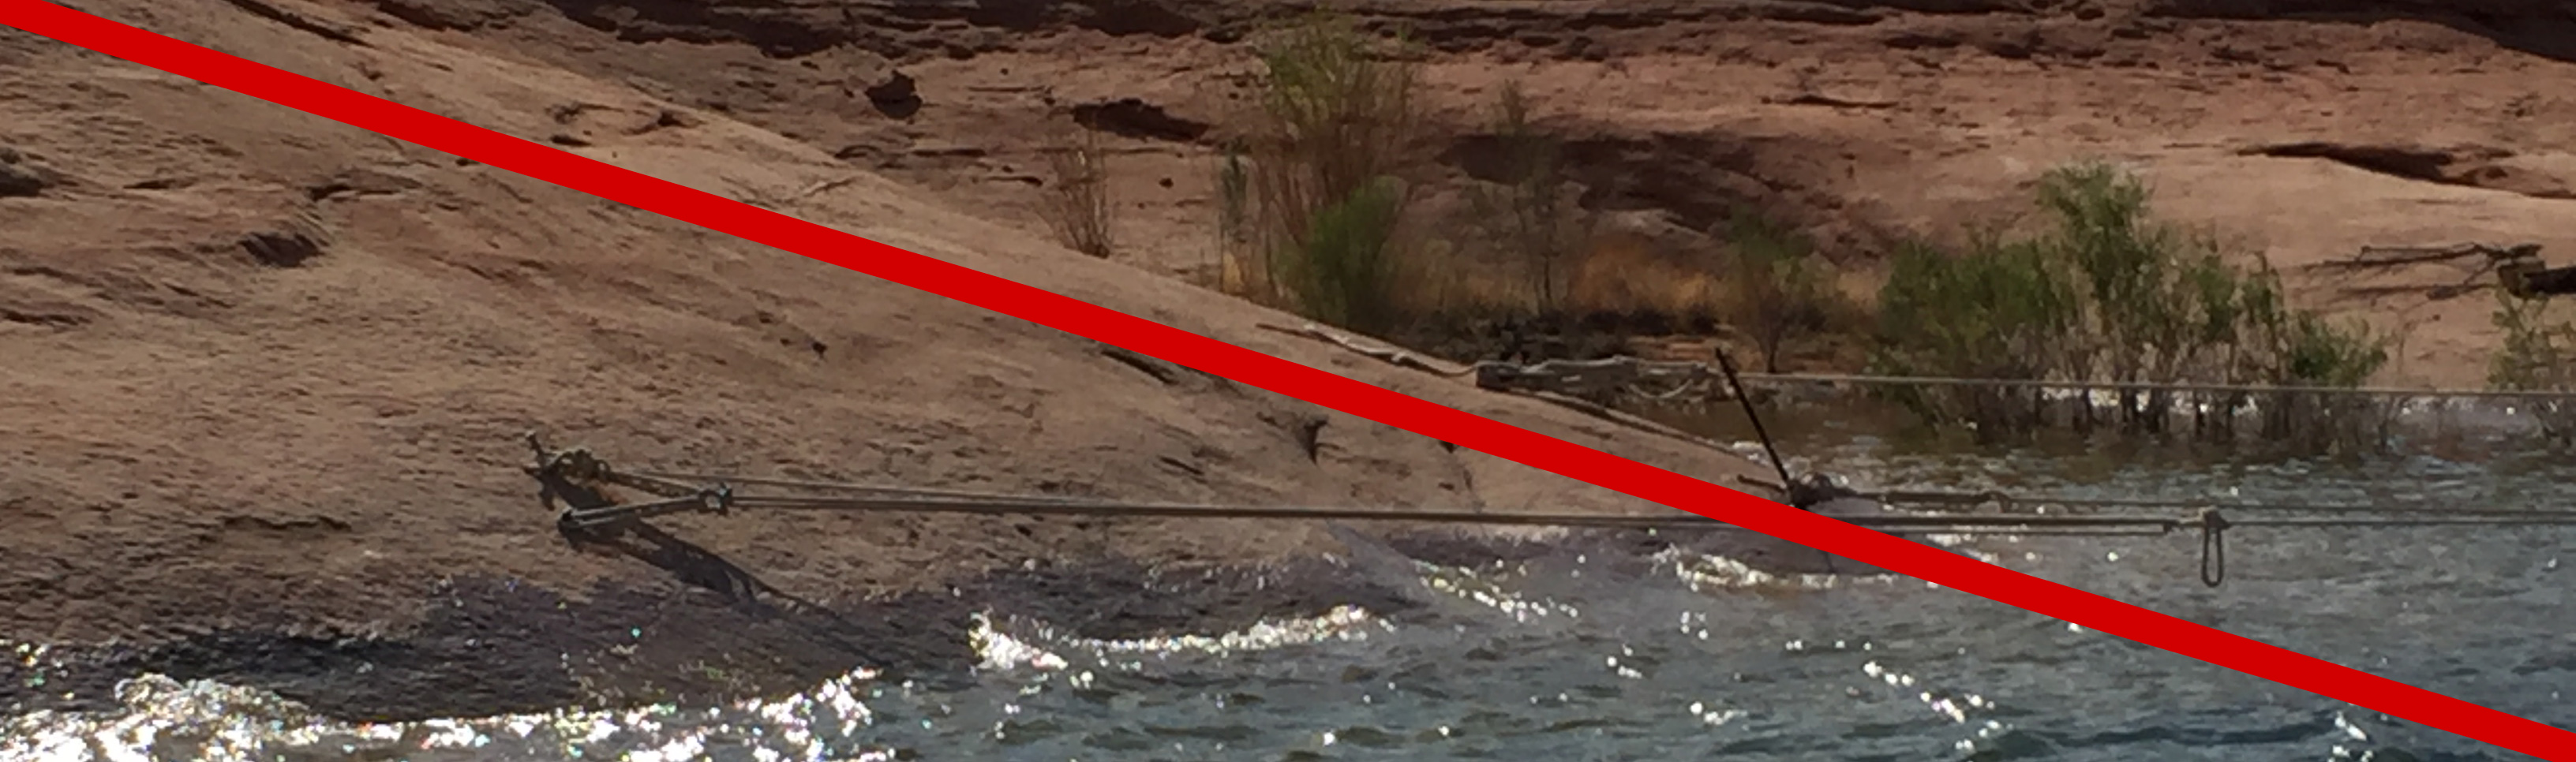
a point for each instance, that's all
(202, 437)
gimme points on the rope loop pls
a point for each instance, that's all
(2213, 547)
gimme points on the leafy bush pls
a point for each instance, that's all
(1334, 128)
(2105, 293)
(1346, 272)
(2536, 351)
(2004, 309)
(2539, 355)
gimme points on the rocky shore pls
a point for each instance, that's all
(265, 375)
(492, 645)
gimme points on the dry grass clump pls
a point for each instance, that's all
(1527, 214)
(1076, 202)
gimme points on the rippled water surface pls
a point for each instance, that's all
(1540, 661)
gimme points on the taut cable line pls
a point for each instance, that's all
(575, 479)
(1828, 379)
(2012, 503)
(716, 494)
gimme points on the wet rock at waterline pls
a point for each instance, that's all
(495, 645)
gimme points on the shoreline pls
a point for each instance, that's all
(490, 646)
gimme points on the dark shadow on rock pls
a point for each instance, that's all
(1135, 118)
(2535, 27)
(686, 561)
(789, 30)
(22, 177)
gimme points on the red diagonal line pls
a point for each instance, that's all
(1289, 378)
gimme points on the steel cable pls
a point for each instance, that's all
(915, 499)
(1920, 497)
(718, 497)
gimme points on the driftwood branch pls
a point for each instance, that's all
(2508, 264)
(1565, 383)
(1389, 355)
(1608, 378)
(2399, 256)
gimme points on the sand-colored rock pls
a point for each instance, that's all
(267, 370)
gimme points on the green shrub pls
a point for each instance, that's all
(2536, 351)
(2538, 355)
(2310, 351)
(1335, 127)
(1346, 273)
(2105, 293)
(2003, 309)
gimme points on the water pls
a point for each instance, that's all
(1567, 659)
